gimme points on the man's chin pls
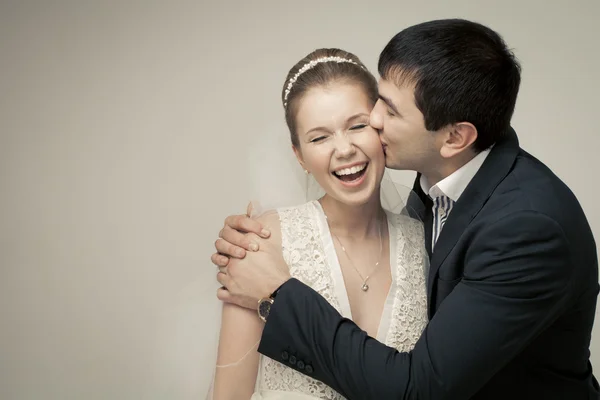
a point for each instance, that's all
(398, 166)
(392, 165)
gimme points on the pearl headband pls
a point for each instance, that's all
(310, 65)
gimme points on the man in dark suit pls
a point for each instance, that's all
(513, 279)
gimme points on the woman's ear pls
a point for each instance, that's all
(460, 137)
(298, 154)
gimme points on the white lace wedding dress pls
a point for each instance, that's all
(308, 249)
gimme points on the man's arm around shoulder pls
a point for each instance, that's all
(516, 276)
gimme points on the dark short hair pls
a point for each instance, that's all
(462, 71)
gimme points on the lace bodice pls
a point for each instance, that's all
(308, 250)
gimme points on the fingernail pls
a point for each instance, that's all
(265, 233)
(239, 253)
(253, 246)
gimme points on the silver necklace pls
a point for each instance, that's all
(364, 286)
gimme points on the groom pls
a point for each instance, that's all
(513, 279)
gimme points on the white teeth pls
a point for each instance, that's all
(351, 170)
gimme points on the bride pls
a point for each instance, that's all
(368, 260)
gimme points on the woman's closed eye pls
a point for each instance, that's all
(317, 139)
(358, 127)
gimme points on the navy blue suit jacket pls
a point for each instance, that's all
(512, 295)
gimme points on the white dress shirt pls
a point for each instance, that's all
(447, 191)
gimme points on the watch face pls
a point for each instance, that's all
(264, 308)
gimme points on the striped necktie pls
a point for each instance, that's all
(442, 205)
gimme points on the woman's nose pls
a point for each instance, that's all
(343, 145)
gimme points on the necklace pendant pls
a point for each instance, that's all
(365, 287)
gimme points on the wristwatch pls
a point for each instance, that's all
(264, 306)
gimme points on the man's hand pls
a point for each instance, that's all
(245, 281)
(239, 234)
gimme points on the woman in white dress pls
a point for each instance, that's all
(368, 262)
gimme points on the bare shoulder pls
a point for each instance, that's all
(289, 219)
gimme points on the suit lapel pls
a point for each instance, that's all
(428, 221)
(420, 201)
(495, 168)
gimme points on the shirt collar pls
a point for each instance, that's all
(455, 184)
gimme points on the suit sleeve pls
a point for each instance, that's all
(517, 274)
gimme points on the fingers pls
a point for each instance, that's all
(229, 250)
(219, 260)
(243, 240)
(243, 223)
(223, 279)
(224, 295)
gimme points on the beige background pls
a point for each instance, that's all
(123, 135)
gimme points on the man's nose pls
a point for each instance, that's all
(376, 117)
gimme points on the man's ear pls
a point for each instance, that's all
(460, 137)
(298, 154)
